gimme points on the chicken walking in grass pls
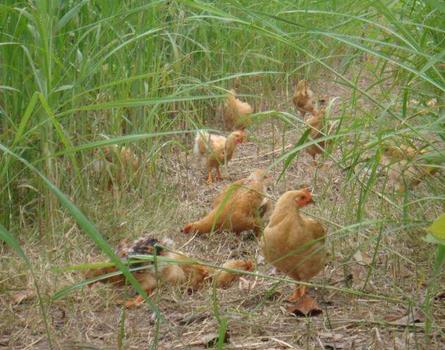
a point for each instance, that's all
(406, 169)
(216, 150)
(122, 159)
(236, 112)
(292, 243)
(316, 123)
(237, 208)
(173, 268)
(303, 98)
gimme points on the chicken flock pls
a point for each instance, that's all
(289, 241)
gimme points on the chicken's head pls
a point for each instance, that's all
(260, 175)
(240, 136)
(303, 197)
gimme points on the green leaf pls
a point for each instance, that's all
(437, 228)
(429, 238)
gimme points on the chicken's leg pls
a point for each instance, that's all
(209, 177)
(314, 161)
(297, 294)
(218, 174)
(134, 302)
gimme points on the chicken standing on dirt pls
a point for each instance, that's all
(303, 98)
(405, 166)
(293, 243)
(173, 268)
(237, 208)
(236, 112)
(123, 159)
(217, 149)
(315, 122)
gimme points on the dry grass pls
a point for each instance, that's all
(255, 308)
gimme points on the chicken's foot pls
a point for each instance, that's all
(134, 302)
(297, 294)
(218, 175)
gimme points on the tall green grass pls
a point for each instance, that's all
(79, 75)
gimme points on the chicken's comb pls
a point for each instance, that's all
(308, 190)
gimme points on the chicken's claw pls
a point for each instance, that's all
(134, 302)
(209, 178)
(218, 175)
(297, 294)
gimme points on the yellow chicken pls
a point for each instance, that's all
(122, 159)
(176, 269)
(315, 122)
(303, 98)
(293, 243)
(237, 208)
(217, 149)
(405, 168)
(236, 112)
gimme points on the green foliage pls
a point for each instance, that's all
(437, 228)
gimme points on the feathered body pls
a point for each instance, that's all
(122, 160)
(224, 279)
(303, 98)
(237, 208)
(315, 122)
(122, 154)
(236, 112)
(291, 242)
(401, 152)
(405, 170)
(179, 270)
(217, 149)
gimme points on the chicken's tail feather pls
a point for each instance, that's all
(224, 278)
(201, 136)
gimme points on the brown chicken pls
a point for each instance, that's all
(217, 149)
(401, 152)
(122, 159)
(315, 122)
(173, 268)
(224, 278)
(293, 243)
(124, 155)
(304, 98)
(236, 113)
(237, 208)
(405, 170)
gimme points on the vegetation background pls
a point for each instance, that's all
(76, 76)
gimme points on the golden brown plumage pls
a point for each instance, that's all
(315, 123)
(224, 279)
(176, 269)
(217, 149)
(124, 155)
(293, 243)
(401, 152)
(236, 113)
(236, 208)
(122, 160)
(303, 98)
(405, 168)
